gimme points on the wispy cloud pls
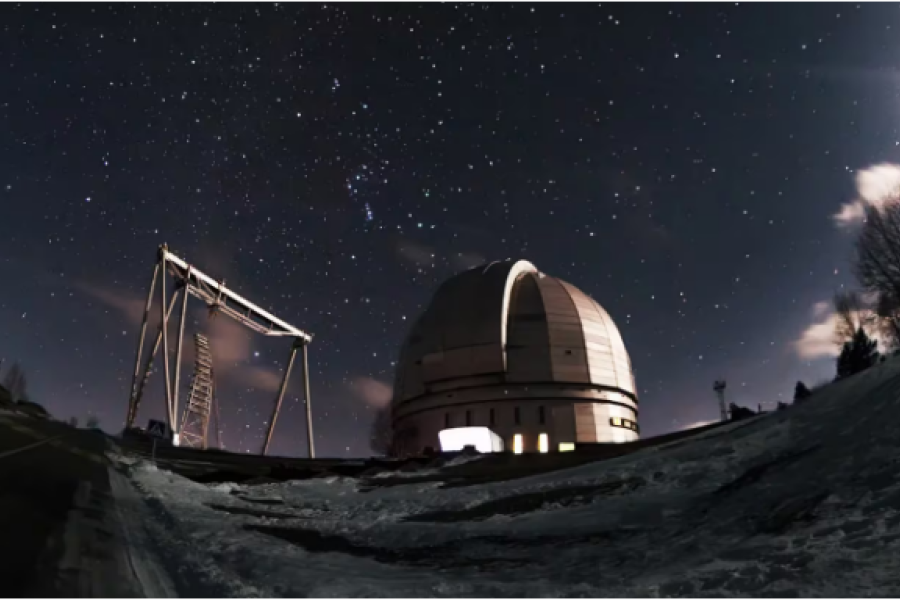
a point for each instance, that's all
(231, 346)
(422, 255)
(371, 391)
(415, 253)
(128, 304)
(856, 75)
(467, 260)
(821, 309)
(818, 339)
(876, 186)
(230, 342)
(262, 378)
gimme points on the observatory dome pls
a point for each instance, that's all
(527, 355)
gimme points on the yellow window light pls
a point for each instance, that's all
(517, 444)
(543, 443)
(566, 447)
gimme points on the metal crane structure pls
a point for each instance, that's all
(199, 405)
(719, 388)
(190, 281)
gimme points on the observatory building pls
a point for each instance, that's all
(527, 356)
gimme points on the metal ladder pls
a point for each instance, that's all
(195, 423)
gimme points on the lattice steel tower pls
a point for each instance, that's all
(719, 388)
(195, 423)
(191, 281)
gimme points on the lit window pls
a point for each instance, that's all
(517, 444)
(543, 443)
(624, 423)
(566, 447)
(481, 438)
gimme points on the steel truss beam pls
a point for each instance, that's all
(214, 292)
(219, 299)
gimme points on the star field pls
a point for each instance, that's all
(334, 163)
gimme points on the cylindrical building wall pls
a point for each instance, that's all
(529, 356)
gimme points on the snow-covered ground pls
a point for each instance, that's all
(804, 502)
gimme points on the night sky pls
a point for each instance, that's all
(335, 163)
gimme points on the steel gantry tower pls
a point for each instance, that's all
(190, 281)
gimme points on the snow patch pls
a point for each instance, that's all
(454, 462)
(799, 502)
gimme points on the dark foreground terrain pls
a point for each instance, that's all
(801, 502)
(62, 529)
(59, 532)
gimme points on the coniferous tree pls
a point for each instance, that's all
(739, 412)
(801, 392)
(857, 355)
(843, 362)
(865, 351)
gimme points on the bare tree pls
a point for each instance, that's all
(887, 311)
(877, 265)
(16, 383)
(381, 435)
(852, 314)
